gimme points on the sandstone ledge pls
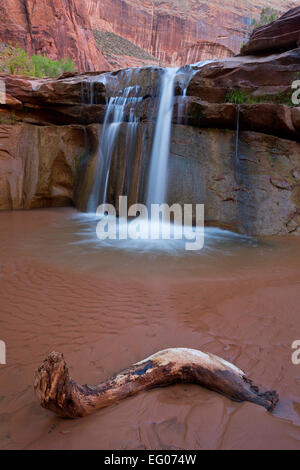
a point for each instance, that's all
(80, 98)
(280, 35)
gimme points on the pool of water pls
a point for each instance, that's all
(108, 304)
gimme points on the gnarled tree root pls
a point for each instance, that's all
(59, 393)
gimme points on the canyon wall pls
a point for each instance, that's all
(179, 32)
(56, 28)
(105, 34)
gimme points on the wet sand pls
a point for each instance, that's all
(106, 309)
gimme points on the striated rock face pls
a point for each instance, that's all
(171, 32)
(180, 32)
(281, 35)
(256, 193)
(57, 28)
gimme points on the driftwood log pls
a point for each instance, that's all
(57, 392)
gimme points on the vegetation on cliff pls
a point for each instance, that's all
(267, 15)
(110, 44)
(16, 61)
(239, 96)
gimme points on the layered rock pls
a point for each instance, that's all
(264, 84)
(56, 28)
(257, 194)
(249, 182)
(257, 77)
(202, 50)
(280, 35)
(180, 32)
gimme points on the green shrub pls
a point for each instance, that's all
(45, 67)
(267, 15)
(241, 97)
(16, 61)
(236, 97)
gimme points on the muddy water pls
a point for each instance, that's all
(106, 307)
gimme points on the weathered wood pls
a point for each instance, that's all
(59, 393)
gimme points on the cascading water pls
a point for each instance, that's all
(236, 154)
(185, 75)
(114, 117)
(134, 148)
(125, 91)
(158, 175)
(157, 182)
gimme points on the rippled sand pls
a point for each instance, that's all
(106, 309)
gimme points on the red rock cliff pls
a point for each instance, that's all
(57, 28)
(174, 32)
(179, 32)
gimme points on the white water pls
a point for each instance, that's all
(216, 240)
(188, 71)
(114, 117)
(121, 107)
(158, 177)
(186, 74)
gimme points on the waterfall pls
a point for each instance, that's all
(236, 153)
(158, 175)
(127, 92)
(185, 75)
(114, 117)
(131, 135)
(157, 183)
